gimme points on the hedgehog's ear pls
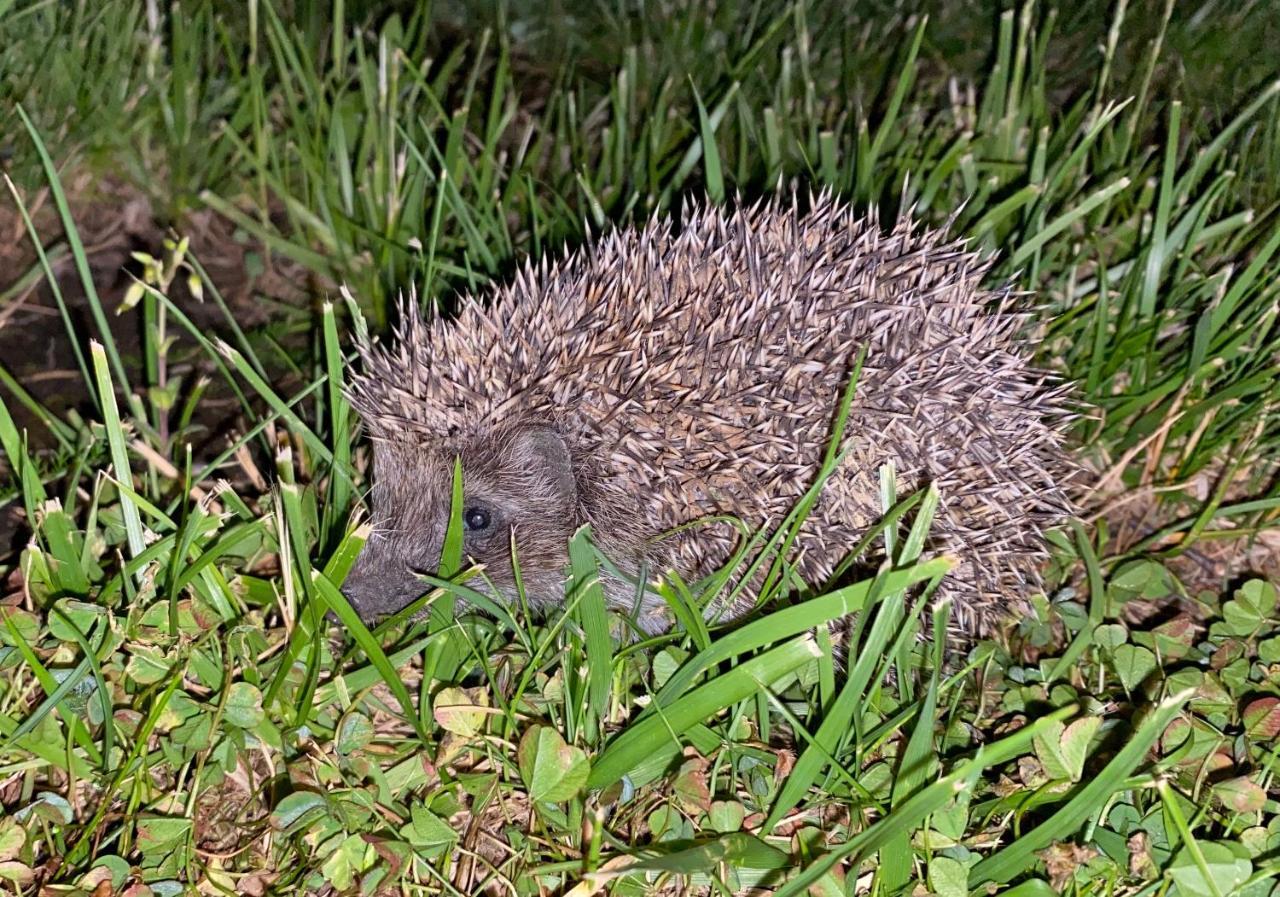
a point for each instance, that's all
(542, 448)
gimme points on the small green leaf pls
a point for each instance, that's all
(1075, 743)
(552, 770)
(1062, 750)
(161, 834)
(352, 857)
(1241, 794)
(354, 732)
(1133, 664)
(428, 833)
(726, 815)
(19, 873)
(1227, 866)
(1174, 639)
(244, 705)
(1110, 636)
(948, 877)
(48, 806)
(1124, 818)
(667, 661)
(1048, 747)
(1269, 650)
(1256, 840)
(1252, 607)
(1260, 595)
(1262, 718)
(12, 838)
(666, 823)
(82, 616)
(147, 664)
(194, 734)
(109, 868)
(298, 810)
(454, 710)
(952, 820)
(25, 623)
(1138, 579)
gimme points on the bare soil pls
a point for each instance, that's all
(113, 221)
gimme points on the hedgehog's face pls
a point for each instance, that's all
(518, 483)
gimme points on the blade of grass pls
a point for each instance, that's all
(1097, 606)
(710, 152)
(919, 760)
(591, 615)
(333, 600)
(338, 505)
(791, 621)
(1064, 221)
(78, 253)
(119, 456)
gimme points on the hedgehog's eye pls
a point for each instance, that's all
(476, 519)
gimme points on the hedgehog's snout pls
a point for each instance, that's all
(378, 587)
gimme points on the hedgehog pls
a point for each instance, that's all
(663, 382)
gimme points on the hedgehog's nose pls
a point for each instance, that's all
(357, 589)
(375, 590)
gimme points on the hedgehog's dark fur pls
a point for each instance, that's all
(656, 378)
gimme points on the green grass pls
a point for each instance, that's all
(176, 713)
